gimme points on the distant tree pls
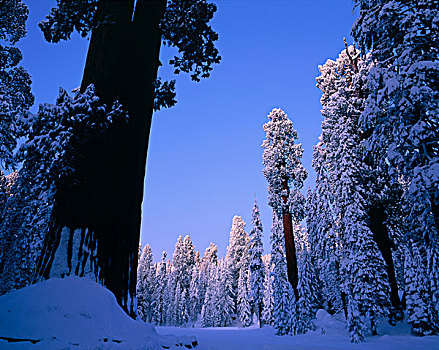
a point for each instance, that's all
(159, 292)
(224, 296)
(210, 258)
(194, 304)
(282, 159)
(146, 284)
(208, 311)
(256, 250)
(122, 63)
(237, 253)
(243, 300)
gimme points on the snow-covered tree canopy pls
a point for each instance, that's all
(282, 160)
(185, 26)
(15, 93)
(403, 105)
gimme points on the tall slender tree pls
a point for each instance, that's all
(282, 159)
(256, 264)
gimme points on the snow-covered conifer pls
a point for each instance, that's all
(417, 296)
(159, 292)
(308, 288)
(244, 308)
(208, 311)
(237, 252)
(209, 259)
(284, 308)
(224, 295)
(341, 155)
(401, 118)
(256, 264)
(268, 301)
(15, 83)
(282, 160)
(146, 283)
(194, 296)
(57, 138)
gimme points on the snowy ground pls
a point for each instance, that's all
(76, 313)
(335, 337)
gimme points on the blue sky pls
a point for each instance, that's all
(205, 156)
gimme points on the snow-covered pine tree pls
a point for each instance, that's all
(342, 104)
(322, 229)
(237, 253)
(208, 311)
(268, 301)
(401, 119)
(282, 159)
(417, 291)
(146, 284)
(194, 296)
(244, 308)
(284, 302)
(169, 296)
(159, 292)
(225, 295)
(256, 264)
(210, 258)
(308, 288)
(15, 83)
(183, 262)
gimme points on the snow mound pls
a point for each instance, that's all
(75, 313)
(327, 324)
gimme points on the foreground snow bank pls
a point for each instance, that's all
(74, 313)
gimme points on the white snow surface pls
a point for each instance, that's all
(330, 334)
(77, 313)
(74, 313)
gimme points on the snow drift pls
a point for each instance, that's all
(75, 313)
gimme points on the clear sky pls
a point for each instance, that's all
(205, 156)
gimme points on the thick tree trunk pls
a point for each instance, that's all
(377, 218)
(290, 247)
(122, 63)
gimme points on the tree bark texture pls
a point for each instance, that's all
(290, 247)
(122, 63)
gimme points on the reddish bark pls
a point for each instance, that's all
(290, 247)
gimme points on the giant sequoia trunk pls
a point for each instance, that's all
(96, 223)
(290, 247)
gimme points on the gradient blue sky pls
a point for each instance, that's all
(205, 157)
